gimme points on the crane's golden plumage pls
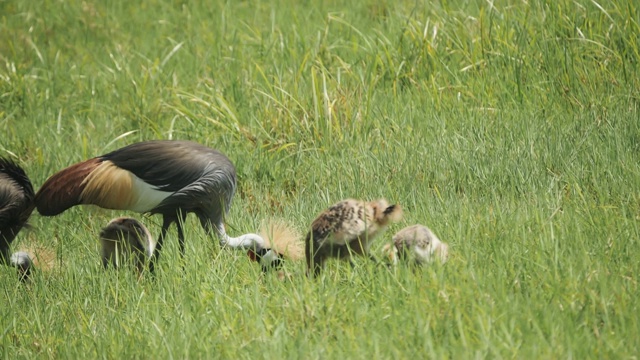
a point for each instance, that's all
(109, 187)
(347, 228)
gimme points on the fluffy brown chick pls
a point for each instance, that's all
(345, 229)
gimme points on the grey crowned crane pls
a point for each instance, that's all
(16, 205)
(126, 240)
(170, 178)
(416, 244)
(345, 229)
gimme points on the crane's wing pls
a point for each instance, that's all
(141, 177)
(170, 165)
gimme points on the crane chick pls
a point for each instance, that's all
(347, 227)
(16, 205)
(282, 243)
(417, 244)
(126, 240)
(166, 177)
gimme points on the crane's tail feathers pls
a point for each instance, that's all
(64, 189)
(283, 238)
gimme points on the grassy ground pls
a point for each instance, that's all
(509, 127)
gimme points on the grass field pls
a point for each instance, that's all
(511, 128)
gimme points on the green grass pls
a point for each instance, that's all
(509, 127)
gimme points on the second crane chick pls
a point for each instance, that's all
(347, 227)
(126, 240)
(417, 244)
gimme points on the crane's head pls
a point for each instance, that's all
(22, 261)
(280, 241)
(267, 258)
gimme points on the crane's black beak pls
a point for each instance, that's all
(267, 258)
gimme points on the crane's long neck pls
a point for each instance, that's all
(246, 241)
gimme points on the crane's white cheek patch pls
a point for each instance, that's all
(145, 197)
(268, 258)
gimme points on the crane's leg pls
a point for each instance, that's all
(222, 234)
(315, 257)
(206, 224)
(166, 223)
(182, 217)
(211, 222)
